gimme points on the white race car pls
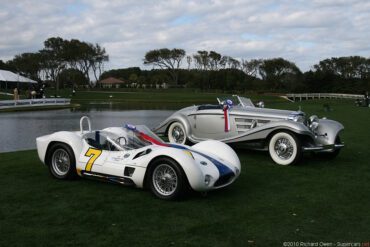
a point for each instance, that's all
(133, 155)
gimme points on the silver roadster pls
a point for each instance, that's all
(285, 134)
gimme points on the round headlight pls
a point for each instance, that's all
(314, 118)
(207, 179)
(314, 125)
(314, 122)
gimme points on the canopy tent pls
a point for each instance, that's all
(12, 77)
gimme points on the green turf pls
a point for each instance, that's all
(315, 201)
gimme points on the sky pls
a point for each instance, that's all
(301, 31)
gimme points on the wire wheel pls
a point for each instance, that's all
(165, 179)
(285, 148)
(61, 162)
(176, 133)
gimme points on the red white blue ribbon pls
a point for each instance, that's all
(226, 107)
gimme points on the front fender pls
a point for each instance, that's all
(220, 150)
(192, 171)
(327, 131)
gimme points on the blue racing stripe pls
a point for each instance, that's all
(222, 169)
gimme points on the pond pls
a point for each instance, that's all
(18, 130)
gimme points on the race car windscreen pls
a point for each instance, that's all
(148, 132)
(136, 139)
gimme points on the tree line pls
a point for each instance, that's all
(68, 62)
(209, 70)
(61, 61)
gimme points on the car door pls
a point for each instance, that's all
(116, 162)
(92, 159)
(210, 124)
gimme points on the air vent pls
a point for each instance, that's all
(243, 120)
(240, 126)
(142, 153)
(128, 171)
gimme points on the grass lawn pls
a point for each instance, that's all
(315, 201)
(6, 97)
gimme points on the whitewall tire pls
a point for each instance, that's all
(176, 133)
(285, 148)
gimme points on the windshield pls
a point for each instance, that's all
(245, 101)
(140, 136)
(119, 139)
(237, 101)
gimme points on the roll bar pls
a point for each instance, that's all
(88, 123)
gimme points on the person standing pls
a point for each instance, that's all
(16, 94)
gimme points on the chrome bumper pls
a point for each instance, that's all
(331, 147)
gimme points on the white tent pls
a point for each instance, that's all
(12, 77)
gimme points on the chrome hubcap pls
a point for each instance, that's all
(178, 134)
(60, 162)
(165, 179)
(284, 148)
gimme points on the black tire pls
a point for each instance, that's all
(61, 161)
(163, 187)
(285, 148)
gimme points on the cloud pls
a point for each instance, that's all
(302, 31)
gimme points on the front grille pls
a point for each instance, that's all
(224, 179)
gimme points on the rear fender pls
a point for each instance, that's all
(163, 128)
(72, 139)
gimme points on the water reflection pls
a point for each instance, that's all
(18, 130)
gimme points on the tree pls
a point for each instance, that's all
(28, 64)
(214, 60)
(133, 79)
(189, 60)
(279, 73)
(201, 59)
(99, 57)
(166, 59)
(251, 67)
(345, 67)
(229, 62)
(53, 59)
(6, 66)
(71, 78)
(342, 74)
